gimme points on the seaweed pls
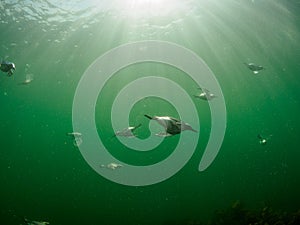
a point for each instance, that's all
(238, 214)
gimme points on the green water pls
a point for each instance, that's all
(44, 177)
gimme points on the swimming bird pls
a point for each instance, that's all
(7, 67)
(205, 95)
(262, 140)
(32, 222)
(75, 134)
(254, 68)
(25, 82)
(77, 138)
(127, 132)
(28, 79)
(111, 166)
(172, 125)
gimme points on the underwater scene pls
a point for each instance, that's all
(141, 112)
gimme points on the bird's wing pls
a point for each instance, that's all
(175, 120)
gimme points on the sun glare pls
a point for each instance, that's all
(147, 8)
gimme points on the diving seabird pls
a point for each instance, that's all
(74, 134)
(205, 95)
(262, 140)
(254, 68)
(172, 125)
(77, 138)
(32, 222)
(127, 132)
(111, 166)
(7, 67)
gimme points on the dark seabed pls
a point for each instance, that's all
(52, 43)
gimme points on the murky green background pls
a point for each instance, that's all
(44, 177)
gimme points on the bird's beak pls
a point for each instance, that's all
(191, 129)
(194, 130)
